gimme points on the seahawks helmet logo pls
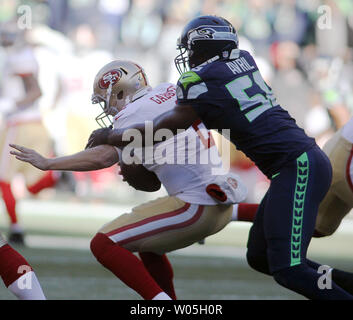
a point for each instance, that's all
(212, 33)
(201, 33)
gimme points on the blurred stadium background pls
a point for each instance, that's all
(309, 68)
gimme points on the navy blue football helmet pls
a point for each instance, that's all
(202, 39)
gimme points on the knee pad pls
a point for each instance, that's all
(258, 262)
(100, 244)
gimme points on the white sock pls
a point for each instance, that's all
(15, 227)
(162, 296)
(27, 287)
(235, 212)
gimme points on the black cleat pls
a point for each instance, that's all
(16, 238)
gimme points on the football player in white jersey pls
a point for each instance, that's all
(339, 199)
(198, 204)
(21, 123)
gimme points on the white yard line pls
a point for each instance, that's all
(82, 243)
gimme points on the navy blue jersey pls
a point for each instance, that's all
(231, 94)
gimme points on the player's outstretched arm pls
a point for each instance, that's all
(181, 117)
(96, 158)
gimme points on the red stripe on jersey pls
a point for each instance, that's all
(196, 123)
(117, 117)
(150, 219)
(24, 75)
(209, 142)
(14, 122)
(348, 176)
(167, 228)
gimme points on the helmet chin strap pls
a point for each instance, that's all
(226, 55)
(109, 94)
(207, 61)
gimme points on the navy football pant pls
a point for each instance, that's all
(284, 224)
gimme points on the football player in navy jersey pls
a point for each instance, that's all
(225, 89)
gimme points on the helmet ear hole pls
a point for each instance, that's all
(120, 95)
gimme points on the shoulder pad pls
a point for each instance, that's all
(189, 77)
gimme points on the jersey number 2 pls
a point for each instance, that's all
(245, 91)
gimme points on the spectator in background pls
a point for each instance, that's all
(256, 25)
(332, 38)
(174, 14)
(142, 26)
(58, 14)
(290, 22)
(112, 15)
(333, 80)
(289, 83)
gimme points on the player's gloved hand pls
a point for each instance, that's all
(98, 137)
(30, 156)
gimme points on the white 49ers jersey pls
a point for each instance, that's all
(18, 64)
(187, 163)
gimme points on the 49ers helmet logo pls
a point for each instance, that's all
(111, 77)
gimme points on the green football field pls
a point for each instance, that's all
(58, 249)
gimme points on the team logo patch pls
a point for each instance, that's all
(111, 77)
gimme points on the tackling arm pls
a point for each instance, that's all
(181, 117)
(96, 158)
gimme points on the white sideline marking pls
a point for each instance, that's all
(83, 243)
(56, 242)
(71, 209)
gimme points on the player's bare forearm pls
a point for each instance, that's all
(178, 118)
(181, 117)
(33, 92)
(96, 158)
